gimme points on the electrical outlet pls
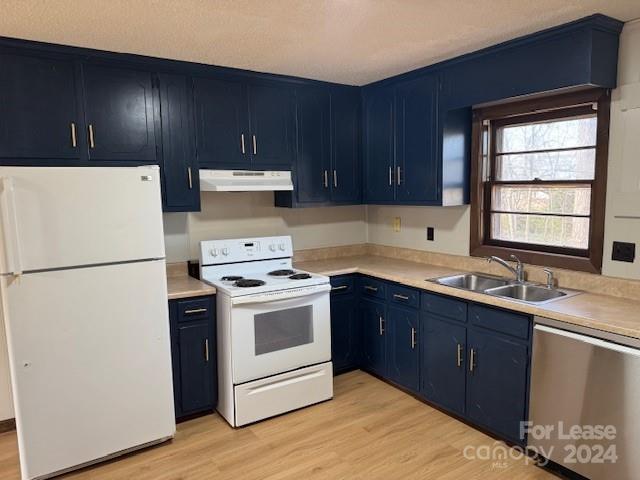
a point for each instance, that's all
(396, 224)
(430, 233)
(623, 252)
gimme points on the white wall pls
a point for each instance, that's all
(232, 215)
(623, 185)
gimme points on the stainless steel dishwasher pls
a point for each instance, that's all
(584, 383)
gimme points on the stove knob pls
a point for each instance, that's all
(272, 247)
(225, 251)
(281, 247)
(214, 252)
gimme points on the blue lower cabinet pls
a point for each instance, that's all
(403, 352)
(373, 323)
(497, 382)
(193, 351)
(443, 352)
(345, 331)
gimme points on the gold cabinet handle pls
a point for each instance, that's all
(381, 324)
(195, 310)
(325, 180)
(390, 175)
(459, 356)
(472, 360)
(398, 178)
(400, 297)
(242, 143)
(335, 179)
(190, 178)
(413, 338)
(206, 350)
(92, 140)
(370, 288)
(74, 136)
(339, 287)
(255, 145)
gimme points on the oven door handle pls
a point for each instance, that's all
(280, 296)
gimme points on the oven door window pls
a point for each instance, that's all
(283, 329)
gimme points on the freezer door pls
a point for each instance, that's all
(69, 216)
(90, 362)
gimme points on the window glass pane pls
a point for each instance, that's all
(574, 200)
(561, 133)
(569, 232)
(283, 329)
(567, 165)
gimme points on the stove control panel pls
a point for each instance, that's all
(214, 252)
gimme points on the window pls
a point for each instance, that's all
(538, 183)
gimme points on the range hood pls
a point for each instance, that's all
(244, 181)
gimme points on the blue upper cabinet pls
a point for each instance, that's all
(313, 159)
(39, 115)
(120, 116)
(181, 186)
(222, 123)
(414, 155)
(327, 168)
(272, 123)
(417, 172)
(379, 151)
(242, 125)
(346, 185)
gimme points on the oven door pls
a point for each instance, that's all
(276, 332)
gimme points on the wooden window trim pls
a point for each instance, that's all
(590, 261)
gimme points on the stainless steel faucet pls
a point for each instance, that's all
(518, 271)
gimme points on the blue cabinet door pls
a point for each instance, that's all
(379, 166)
(372, 321)
(417, 171)
(223, 139)
(179, 168)
(345, 333)
(496, 382)
(313, 158)
(120, 117)
(272, 124)
(195, 367)
(443, 348)
(403, 352)
(39, 117)
(346, 174)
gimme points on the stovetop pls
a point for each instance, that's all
(253, 265)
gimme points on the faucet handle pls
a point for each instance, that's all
(550, 280)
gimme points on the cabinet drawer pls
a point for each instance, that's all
(509, 323)
(444, 306)
(372, 287)
(342, 285)
(403, 295)
(193, 309)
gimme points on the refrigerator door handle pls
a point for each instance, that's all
(10, 226)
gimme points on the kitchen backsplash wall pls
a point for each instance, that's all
(242, 214)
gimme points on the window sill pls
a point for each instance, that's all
(583, 264)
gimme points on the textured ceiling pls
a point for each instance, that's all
(346, 41)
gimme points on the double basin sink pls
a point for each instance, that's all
(502, 287)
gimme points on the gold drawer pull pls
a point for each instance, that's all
(92, 141)
(340, 287)
(472, 360)
(74, 136)
(195, 310)
(400, 297)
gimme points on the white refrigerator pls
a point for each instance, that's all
(84, 304)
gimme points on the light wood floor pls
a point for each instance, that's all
(369, 431)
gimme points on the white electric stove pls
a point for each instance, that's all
(274, 334)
